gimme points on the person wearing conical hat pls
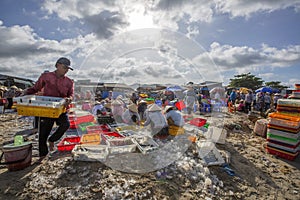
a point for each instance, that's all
(2, 100)
(175, 120)
(117, 110)
(10, 94)
(99, 108)
(190, 98)
(173, 116)
(131, 115)
(120, 98)
(142, 106)
(157, 121)
(1, 92)
(19, 91)
(277, 96)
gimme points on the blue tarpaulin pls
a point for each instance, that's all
(174, 88)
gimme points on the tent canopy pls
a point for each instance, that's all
(217, 89)
(174, 88)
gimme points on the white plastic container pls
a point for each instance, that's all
(208, 152)
(217, 135)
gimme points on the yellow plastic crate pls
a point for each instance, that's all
(175, 130)
(91, 138)
(126, 128)
(40, 111)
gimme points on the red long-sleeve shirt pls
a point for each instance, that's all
(53, 86)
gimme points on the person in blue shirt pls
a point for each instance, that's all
(232, 96)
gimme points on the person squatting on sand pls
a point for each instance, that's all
(54, 84)
(131, 115)
(175, 120)
(190, 98)
(117, 110)
(173, 116)
(157, 121)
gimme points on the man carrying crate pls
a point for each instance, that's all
(53, 84)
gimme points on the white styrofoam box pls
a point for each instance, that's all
(208, 152)
(90, 153)
(128, 133)
(44, 101)
(145, 144)
(215, 134)
(121, 145)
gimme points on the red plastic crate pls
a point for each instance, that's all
(198, 122)
(68, 143)
(98, 129)
(73, 125)
(111, 135)
(282, 154)
(186, 118)
(81, 119)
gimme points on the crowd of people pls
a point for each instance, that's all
(140, 112)
(7, 94)
(260, 101)
(163, 112)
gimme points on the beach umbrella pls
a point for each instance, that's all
(244, 90)
(267, 89)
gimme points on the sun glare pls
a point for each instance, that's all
(139, 20)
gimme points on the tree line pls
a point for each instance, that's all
(250, 81)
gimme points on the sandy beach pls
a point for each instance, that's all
(256, 174)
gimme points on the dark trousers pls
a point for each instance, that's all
(248, 106)
(10, 103)
(36, 122)
(161, 132)
(46, 125)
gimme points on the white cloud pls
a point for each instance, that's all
(106, 18)
(246, 8)
(23, 51)
(228, 56)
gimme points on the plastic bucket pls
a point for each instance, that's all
(17, 157)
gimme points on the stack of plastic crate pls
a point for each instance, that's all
(81, 119)
(283, 134)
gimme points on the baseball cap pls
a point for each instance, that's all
(65, 61)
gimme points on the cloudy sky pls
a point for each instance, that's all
(152, 41)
